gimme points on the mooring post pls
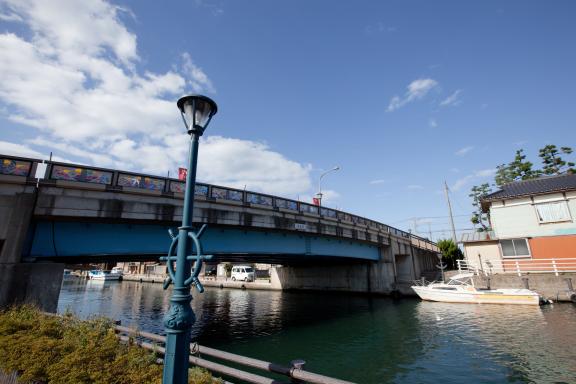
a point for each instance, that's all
(297, 364)
(569, 283)
(525, 282)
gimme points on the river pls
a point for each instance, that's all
(356, 337)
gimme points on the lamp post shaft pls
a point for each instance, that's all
(319, 194)
(180, 317)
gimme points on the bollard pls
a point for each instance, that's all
(525, 282)
(297, 364)
(569, 283)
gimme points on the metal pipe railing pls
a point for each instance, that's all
(520, 266)
(291, 372)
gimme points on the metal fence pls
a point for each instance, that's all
(8, 378)
(520, 266)
(198, 353)
(115, 180)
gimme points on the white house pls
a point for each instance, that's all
(533, 227)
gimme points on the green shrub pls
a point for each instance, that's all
(55, 349)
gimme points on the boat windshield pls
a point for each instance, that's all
(464, 281)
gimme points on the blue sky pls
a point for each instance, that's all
(401, 94)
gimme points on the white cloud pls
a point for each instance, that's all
(379, 27)
(433, 123)
(520, 143)
(10, 17)
(486, 173)
(463, 151)
(378, 181)
(415, 187)
(329, 198)
(199, 81)
(452, 100)
(240, 163)
(482, 174)
(416, 90)
(13, 149)
(74, 76)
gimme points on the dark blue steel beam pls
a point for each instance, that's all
(83, 240)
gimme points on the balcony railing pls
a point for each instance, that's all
(520, 266)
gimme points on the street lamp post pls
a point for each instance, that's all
(196, 111)
(319, 194)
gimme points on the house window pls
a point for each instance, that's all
(515, 248)
(552, 212)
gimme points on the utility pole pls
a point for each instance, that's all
(430, 231)
(415, 225)
(450, 214)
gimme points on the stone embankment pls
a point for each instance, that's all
(220, 282)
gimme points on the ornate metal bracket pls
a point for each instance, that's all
(198, 259)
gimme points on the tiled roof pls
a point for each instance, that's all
(541, 185)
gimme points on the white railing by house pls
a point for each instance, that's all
(520, 266)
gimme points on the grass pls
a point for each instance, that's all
(54, 349)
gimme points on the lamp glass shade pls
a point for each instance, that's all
(197, 111)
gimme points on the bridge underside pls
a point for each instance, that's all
(80, 242)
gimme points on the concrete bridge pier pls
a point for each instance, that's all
(20, 282)
(367, 277)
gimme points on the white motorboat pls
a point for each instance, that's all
(460, 289)
(98, 274)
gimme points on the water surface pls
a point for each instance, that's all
(359, 338)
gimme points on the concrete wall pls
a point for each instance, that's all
(37, 284)
(382, 277)
(481, 252)
(375, 277)
(548, 285)
(515, 218)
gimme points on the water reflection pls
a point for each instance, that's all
(359, 338)
(521, 343)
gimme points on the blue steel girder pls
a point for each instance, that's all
(86, 240)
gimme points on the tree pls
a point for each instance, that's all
(523, 169)
(503, 175)
(553, 163)
(478, 217)
(517, 169)
(450, 253)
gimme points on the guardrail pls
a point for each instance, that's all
(295, 372)
(520, 266)
(116, 180)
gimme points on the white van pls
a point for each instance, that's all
(242, 272)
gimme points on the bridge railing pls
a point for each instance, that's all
(132, 182)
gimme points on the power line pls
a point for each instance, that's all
(426, 217)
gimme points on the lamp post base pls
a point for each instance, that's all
(178, 322)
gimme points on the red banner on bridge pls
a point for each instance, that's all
(182, 172)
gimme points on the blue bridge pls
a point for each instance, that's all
(54, 213)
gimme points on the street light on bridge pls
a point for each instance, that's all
(319, 194)
(196, 111)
